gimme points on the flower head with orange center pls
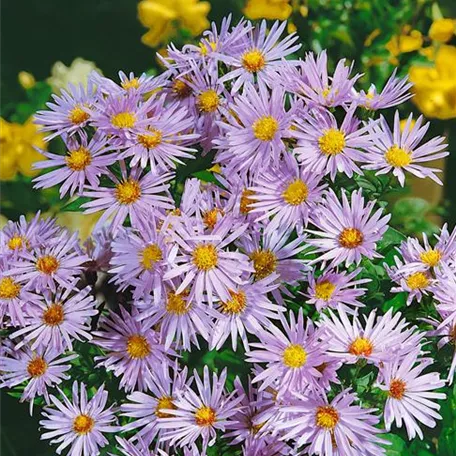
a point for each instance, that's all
(81, 420)
(399, 151)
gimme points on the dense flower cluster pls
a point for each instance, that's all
(267, 258)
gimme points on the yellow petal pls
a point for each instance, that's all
(442, 30)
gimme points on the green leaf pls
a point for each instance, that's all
(397, 302)
(398, 446)
(390, 238)
(75, 206)
(205, 176)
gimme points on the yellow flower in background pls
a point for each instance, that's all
(442, 30)
(18, 144)
(408, 41)
(26, 80)
(164, 17)
(435, 86)
(268, 9)
(77, 221)
(76, 73)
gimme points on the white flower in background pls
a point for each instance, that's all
(77, 73)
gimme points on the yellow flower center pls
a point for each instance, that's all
(324, 290)
(204, 48)
(128, 191)
(417, 281)
(326, 417)
(165, 402)
(150, 255)
(264, 263)
(16, 242)
(36, 367)
(208, 101)
(294, 356)
(296, 193)
(138, 347)
(361, 347)
(350, 238)
(78, 116)
(397, 388)
(47, 264)
(398, 157)
(253, 61)
(246, 201)
(130, 84)
(9, 289)
(177, 303)
(265, 128)
(151, 139)
(431, 257)
(123, 120)
(205, 257)
(255, 428)
(236, 304)
(79, 159)
(180, 89)
(83, 424)
(205, 416)
(210, 217)
(332, 142)
(53, 315)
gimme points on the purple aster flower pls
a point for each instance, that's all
(292, 356)
(84, 162)
(211, 99)
(286, 195)
(128, 448)
(324, 147)
(309, 79)
(333, 288)
(204, 262)
(132, 195)
(119, 116)
(333, 428)
(206, 201)
(253, 136)
(15, 300)
(141, 85)
(274, 252)
(395, 92)
(247, 311)
(56, 319)
(425, 257)
(260, 57)
(348, 230)
(163, 139)
(57, 263)
(147, 409)
(375, 340)
(132, 349)
(247, 425)
(69, 113)
(19, 236)
(445, 332)
(179, 318)
(41, 370)
(412, 278)
(200, 413)
(411, 396)
(224, 42)
(239, 195)
(98, 249)
(140, 258)
(398, 151)
(80, 423)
